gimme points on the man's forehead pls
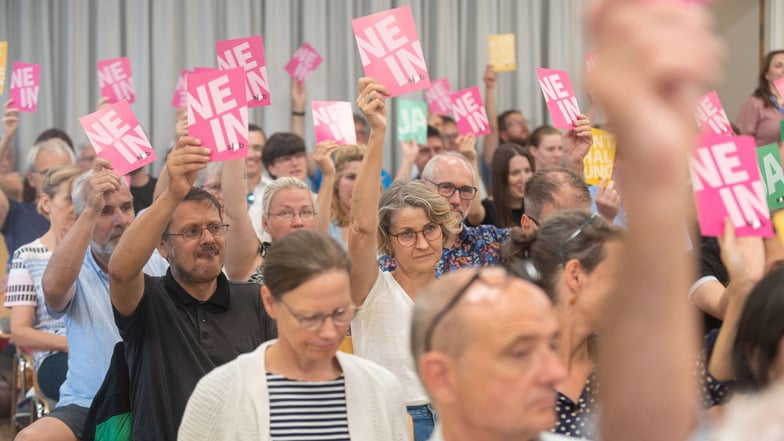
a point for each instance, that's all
(453, 168)
(518, 309)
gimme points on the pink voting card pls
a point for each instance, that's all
(180, 97)
(218, 112)
(711, 116)
(470, 112)
(247, 53)
(116, 136)
(115, 79)
(726, 181)
(559, 96)
(333, 121)
(25, 78)
(303, 63)
(390, 50)
(438, 97)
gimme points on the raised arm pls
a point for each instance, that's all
(299, 99)
(180, 130)
(466, 145)
(491, 140)
(744, 258)
(650, 334)
(323, 158)
(367, 192)
(10, 124)
(126, 280)
(242, 245)
(66, 261)
(410, 151)
(576, 143)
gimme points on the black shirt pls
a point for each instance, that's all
(173, 339)
(491, 216)
(142, 196)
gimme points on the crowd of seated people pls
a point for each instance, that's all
(216, 300)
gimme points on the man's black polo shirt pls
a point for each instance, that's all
(172, 340)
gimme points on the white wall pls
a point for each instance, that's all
(738, 22)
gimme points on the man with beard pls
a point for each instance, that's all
(180, 326)
(76, 287)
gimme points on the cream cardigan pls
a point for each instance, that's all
(232, 402)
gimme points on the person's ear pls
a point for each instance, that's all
(437, 371)
(264, 223)
(269, 302)
(161, 247)
(527, 224)
(574, 276)
(45, 203)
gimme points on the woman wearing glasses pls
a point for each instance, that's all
(299, 385)
(576, 255)
(409, 222)
(287, 206)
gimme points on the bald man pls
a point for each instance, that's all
(483, 345)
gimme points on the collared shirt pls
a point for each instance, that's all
(544, 436)
(91, 332)
(578, 420)
(473, 247)
(173, 339)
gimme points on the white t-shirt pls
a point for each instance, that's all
(381, 332)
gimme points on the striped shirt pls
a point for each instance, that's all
(307, 410)
(24, 289)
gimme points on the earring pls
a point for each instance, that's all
(572, 300)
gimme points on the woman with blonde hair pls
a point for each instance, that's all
(31, 325)
(348, 161)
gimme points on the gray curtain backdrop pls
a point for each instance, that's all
(162, 37)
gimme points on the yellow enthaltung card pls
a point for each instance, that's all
(502, 52)
(599, 160)
(3, 52)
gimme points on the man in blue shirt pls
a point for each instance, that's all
(76, 287)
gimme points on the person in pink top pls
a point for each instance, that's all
(762, 113)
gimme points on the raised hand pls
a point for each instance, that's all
(578, 141)
(608, 201)
(10, 119)
(489, 76)
(466, 145)
(101, 182)
(372, 102)
(323, 157)
(183, 164)
(299, 95)
(102, 102)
